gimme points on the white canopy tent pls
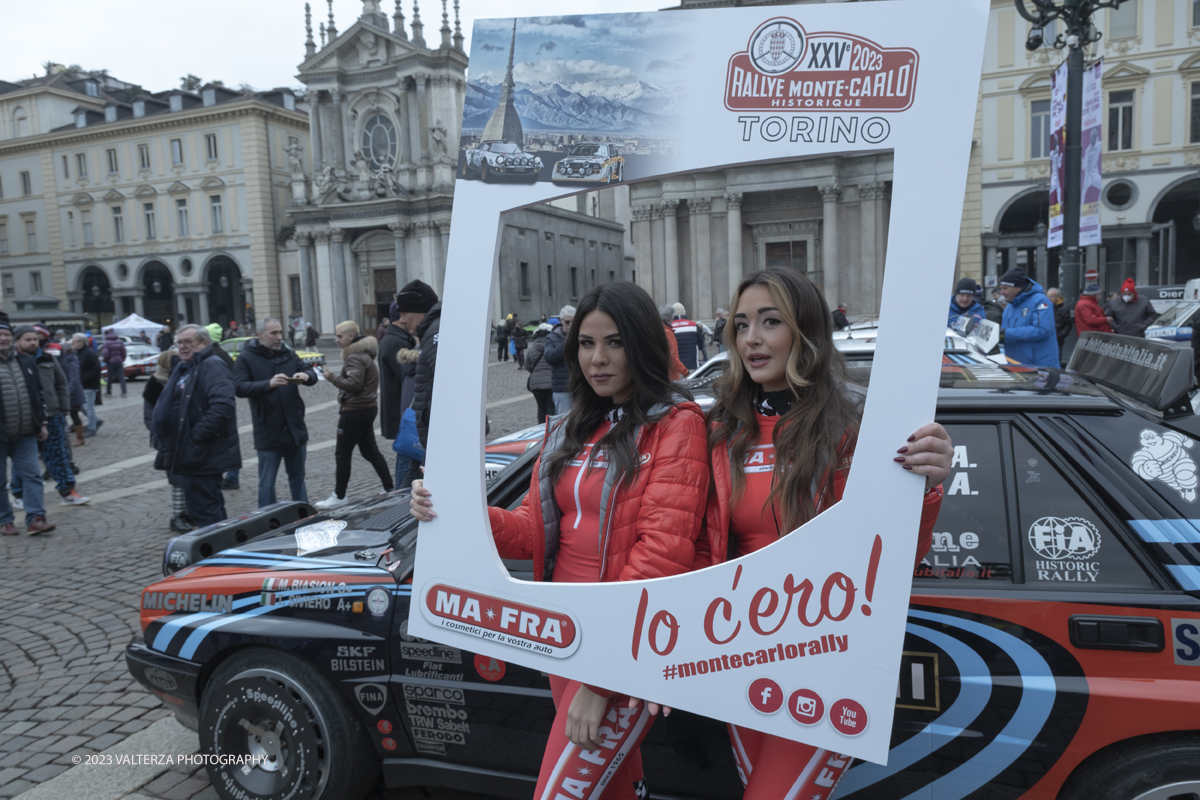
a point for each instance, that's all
(133, 325)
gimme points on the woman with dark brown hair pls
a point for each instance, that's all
(781, 437)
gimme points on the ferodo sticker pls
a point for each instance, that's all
(1186, 646)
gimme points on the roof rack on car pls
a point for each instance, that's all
(1155, 373)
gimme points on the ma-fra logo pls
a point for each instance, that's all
(785, 68)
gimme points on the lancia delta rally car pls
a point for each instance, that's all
(495, 159)
(590, 162)
(1052, 646)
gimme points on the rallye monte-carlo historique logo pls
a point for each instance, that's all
(783, 67)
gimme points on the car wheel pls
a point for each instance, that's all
(484, 173)
(1162, 769)
(307, 741)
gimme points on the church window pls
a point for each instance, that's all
(379, 141)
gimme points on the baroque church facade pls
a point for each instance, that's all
(371, 208)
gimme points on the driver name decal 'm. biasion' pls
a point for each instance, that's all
(542, 630)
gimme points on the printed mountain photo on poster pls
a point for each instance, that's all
(570, 100)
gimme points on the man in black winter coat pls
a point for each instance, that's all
(269, 373)
(398, 363)
(89, 377)
(427, 335)
(195, 421)
(556, 356)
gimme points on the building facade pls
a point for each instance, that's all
(372, 208)
(170, 205)
(1150, 194)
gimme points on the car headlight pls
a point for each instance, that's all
(537, 162)
(499, 159)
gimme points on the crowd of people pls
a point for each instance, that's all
(1035, 323)
(635, 482)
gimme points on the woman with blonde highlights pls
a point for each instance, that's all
(781, 438)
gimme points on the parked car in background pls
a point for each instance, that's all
(1052, 649)
(140, 359)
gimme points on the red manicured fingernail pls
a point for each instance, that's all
(899, 459)
(902, 450)
(906, 466)
(912, 438)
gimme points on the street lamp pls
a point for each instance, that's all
(1078, 32)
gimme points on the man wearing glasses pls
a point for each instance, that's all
(195, 420)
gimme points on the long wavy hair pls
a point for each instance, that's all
(644, 340)
(808, 436)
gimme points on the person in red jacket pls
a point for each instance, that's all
(788, 415)
(618, 494)
(1089, 316)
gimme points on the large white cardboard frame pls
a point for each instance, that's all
(639, 637)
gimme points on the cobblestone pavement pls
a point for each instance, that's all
(70, 597)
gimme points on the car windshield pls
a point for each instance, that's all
(504, 147)
(1176, 315)
(589, 150)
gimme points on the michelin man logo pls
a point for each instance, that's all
(1164, 457)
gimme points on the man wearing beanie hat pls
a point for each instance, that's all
(1129, 313)
(22, 426)
(555, 355)
(964, 303)
(398, 362)
(1088, 314)
(1027, 328)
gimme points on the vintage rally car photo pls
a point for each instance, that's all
(590, 162)
(312, 358)
(492, 160)
(1052, 646)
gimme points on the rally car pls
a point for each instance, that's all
(590, 162)
(311, 358)
(1052, 647)
(492, 160)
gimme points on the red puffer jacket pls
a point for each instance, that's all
(713, 545)
(654, 521)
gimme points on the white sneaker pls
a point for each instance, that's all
(332, 502)
(18, 504)
(74, 499)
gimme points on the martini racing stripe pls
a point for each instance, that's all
(162, 638)
(972, 698)
(1176, 545)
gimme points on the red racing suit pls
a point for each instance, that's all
(773, 768)
(649, 529)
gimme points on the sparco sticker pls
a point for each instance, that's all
(783, 67)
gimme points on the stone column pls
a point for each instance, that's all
(399, 231)
(658, 259)
(1043, 266)
(339, 124)
(139, 303)
(323, 315)
(355, 279)
(642, 260)
(702, 226)
(1012, 257)
(417, 151)
(671, 250)
(443, 227)
(307, 309)
(338, 274)
(989, 262)
(1142, 276)
(202, 307)
(421, 126)
(872, 287)
(314, 105)
(831, 196)
(733, 220)
(180, 308)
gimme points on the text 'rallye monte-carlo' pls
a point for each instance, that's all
(1052, 646)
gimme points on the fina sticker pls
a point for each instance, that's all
(318, 536)
(1164, 457)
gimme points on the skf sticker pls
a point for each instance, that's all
(1164, 457)
(1186, 646)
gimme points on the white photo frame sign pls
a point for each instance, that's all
(763, 83)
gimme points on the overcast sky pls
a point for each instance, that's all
(257, 42)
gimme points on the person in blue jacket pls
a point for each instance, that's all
(965, 303)
(1027, 328)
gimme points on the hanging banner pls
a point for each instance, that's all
(803, 638)
(1058, 151)
(1092, 142)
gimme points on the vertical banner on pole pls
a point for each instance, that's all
(1092, 140)
(1058, 150)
